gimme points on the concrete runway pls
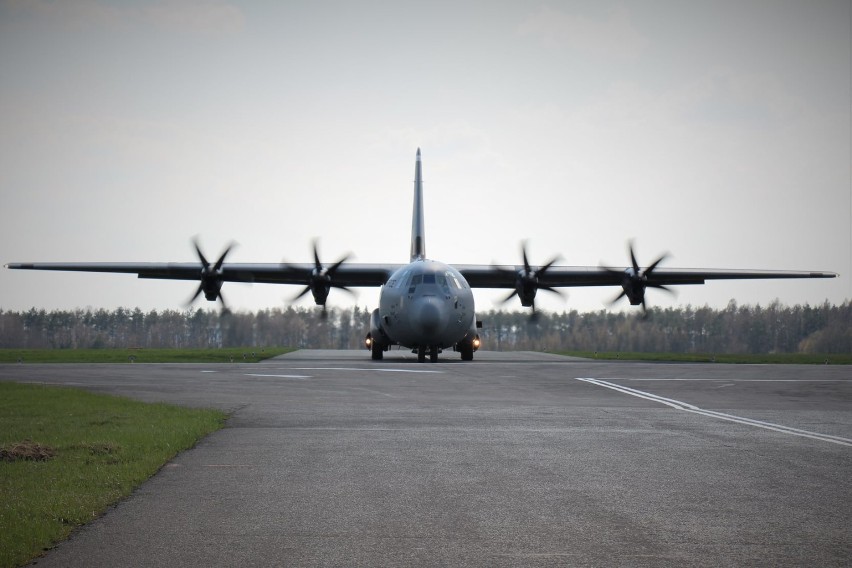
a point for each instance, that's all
(516, 459)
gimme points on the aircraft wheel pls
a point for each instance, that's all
(433, 354)
(376, 352)
(467, 352)
(421, 354)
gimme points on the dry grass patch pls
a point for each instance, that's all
(26, 451)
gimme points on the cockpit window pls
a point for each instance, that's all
(441, 280)
(444, 280)
(415, 280)
(401, 281)
(453, 282)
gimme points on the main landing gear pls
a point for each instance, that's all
(376, 352)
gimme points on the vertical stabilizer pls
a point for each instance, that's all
(418, 230)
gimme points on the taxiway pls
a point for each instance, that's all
(514, 459)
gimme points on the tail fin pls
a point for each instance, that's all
(418, 229)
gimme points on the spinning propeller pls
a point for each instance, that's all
(211, 277)
(634, 280)
(321, 280)
(527, 281)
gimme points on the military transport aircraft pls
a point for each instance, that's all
(425, 305)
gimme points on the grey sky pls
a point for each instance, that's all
(719, 132)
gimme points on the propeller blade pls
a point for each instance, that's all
(509, 297)
(559, 293)
(221, 260)
(333, 268)
(633, 258)
(304, 291)
(651, 268)
(547, 266)
(617, 298)
(534, 315)
(195, 296)
(527, 268)
(203, 260)
(342, 287)
(317, 263)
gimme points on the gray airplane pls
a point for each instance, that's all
(425, 305)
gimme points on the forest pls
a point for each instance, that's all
(773, 328)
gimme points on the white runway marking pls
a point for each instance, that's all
(678, 405)
(750, 380)
(300, 377)
(383, 370)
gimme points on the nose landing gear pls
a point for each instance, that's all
(432, 350)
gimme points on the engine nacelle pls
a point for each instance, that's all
(634, 288)
(211, 285)
(320, 290)
(526, 285)
(635, 292)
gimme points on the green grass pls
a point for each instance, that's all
(771, 358)
(103, 448)
(224, 355)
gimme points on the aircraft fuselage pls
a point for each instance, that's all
(426, 306)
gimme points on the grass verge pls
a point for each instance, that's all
(68, 454)
(223, 355)
(770, 358)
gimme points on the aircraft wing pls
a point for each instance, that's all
(506, 276)
(358, 274)
(264, 273)
(526, 280)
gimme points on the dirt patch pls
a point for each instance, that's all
(26, 451)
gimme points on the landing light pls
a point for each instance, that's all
(369, 341)
(476, 342)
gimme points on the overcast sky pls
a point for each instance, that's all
(716, 131)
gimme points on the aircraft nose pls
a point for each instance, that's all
(429, 316)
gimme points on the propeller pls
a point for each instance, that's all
(321, 280)
(211, 277)
(527, 281)
(634, 280)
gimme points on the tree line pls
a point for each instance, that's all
(774, 328)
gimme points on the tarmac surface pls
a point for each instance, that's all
(515, 459)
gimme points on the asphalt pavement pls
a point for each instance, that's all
(514, 459)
